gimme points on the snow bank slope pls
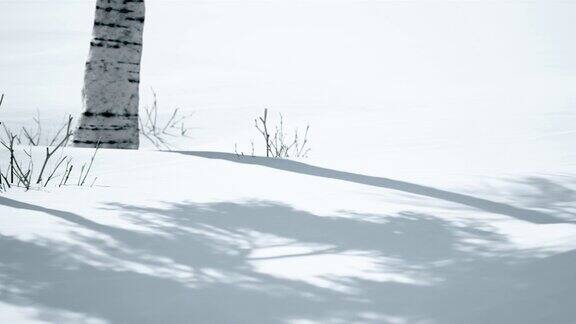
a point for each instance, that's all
(205, 237)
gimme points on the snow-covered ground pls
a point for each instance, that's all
(441, 185)
(180, 237)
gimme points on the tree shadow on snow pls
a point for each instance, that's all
(263, 262)
(552, 195)
(529, 215)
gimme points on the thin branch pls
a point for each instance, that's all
(91, 162)
(54, 171)
(49, 152)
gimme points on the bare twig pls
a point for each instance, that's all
(66, 174)
(263, 129)
(30, 138)
(91, 162)
(10, 147)
(54, 171)
(81, 173)
(55, 138)
(49, 152)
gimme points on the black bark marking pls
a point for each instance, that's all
(101, 142)
(109, 128)
(122, 62)
(138, 19)
(104, 45)
(117, 41)
(108, 9)
(108, 114)
(101, 24)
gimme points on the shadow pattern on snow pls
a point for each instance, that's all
(529, 215)
(197, 263)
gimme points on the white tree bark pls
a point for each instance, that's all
(112, 76)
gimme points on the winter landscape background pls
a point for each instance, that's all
(441, 185)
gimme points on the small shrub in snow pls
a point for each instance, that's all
(36, 136)
(157, 132)
(56, 167)
(277, 142)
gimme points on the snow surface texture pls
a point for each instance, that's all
(112, 77)
(180, 237)
(440, 188)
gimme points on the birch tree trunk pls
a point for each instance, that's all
(112, 76)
